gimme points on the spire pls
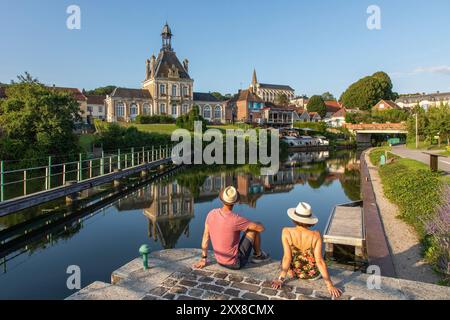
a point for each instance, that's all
(254, 79)
(166, 36)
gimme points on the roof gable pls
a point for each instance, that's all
(165, 64)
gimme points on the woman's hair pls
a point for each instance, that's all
(304, 225)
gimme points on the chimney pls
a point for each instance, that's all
(186, 65)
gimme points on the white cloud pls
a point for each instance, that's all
(420, 70)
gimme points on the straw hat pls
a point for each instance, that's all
(229, 195)
(302, 214)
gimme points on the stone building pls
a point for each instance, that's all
(166, 90)
(270, 92)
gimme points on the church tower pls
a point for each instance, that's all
(254, 85)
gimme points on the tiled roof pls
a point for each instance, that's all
(340, 113)
(166, 59)
(391, 103)
(247, 95)
(201, 96)
(77, 94)
(275, 86)
(376, 126)
(332, 106)
(131, 93)
(95, 99)
(412, 98)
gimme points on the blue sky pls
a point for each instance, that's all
(314, 46)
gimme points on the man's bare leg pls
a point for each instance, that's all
(256, 239)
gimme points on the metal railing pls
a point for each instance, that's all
(25, 181)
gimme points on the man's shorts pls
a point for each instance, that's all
(245, 249)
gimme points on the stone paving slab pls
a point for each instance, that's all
(171, 277)
(105, 291)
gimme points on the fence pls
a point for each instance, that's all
(25, 181)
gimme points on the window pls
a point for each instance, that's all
(133, 109)
(146, 108)
(120, 109)
(184, 109)
(207, 112)
(162, 89)
(174, 109)
(100, 109)
(175, 207)
(217, 112)
(185, 91)
(174, 90)
(162, 108)
(89, 109)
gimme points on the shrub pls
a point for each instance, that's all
(163, 118)
(319, 127)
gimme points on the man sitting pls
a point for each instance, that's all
(224, 227)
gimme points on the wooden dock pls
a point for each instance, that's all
(346, 227)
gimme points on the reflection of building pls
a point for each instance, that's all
(169, 213)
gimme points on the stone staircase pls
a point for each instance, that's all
(171, 277)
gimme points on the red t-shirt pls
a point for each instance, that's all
(225, 233)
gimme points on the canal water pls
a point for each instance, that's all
(104, 230)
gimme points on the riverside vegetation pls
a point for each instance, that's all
(423, 200)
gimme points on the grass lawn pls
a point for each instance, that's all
(169, 128)
(424, 145)
(85, 142)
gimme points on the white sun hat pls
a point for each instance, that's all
(302, 214)
(229, 195)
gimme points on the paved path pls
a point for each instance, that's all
(403, 242)
(402, 151)
(171, 277)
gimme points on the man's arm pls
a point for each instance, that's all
(205, 244)
(255, 226)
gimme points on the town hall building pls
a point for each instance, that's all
(166, 90)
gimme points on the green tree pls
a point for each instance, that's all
(218, 96)
(187, 121)
(316, 104)
(101, 91)
(282, 99)
(328, 96)
(368, 91)
(37, 121)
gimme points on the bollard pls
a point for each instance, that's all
(144, 250)
(382, 160)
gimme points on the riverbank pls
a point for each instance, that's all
(404, 244)
(171, 277)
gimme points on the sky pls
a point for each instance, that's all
(312, 45)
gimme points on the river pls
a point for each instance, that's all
(104, 230)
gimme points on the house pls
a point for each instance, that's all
(210, 108)
(314, 117)
(385, 105)
(424, 100)
(273, 115)
(96, 107)
(303, 115)
(332, 107)
(78, 96)
(337, 120)
(247, 107)
(301, 101)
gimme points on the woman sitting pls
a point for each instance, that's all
(303, 250)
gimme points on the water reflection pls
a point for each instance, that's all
(170, 212)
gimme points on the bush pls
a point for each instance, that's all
(319, 127)
(163, 118)
(187, 121)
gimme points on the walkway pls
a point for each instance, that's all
(403, 242)
(402, 151)
(171, 277)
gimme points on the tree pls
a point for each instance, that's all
(101, 91)
(282, 99)
(368, 91)
(316, 104)
(218, 96)
(187, 121)
(328, 96)
(37, 121)
(25, 78)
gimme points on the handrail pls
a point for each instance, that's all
(56, 175)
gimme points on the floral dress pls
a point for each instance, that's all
(303, 264)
